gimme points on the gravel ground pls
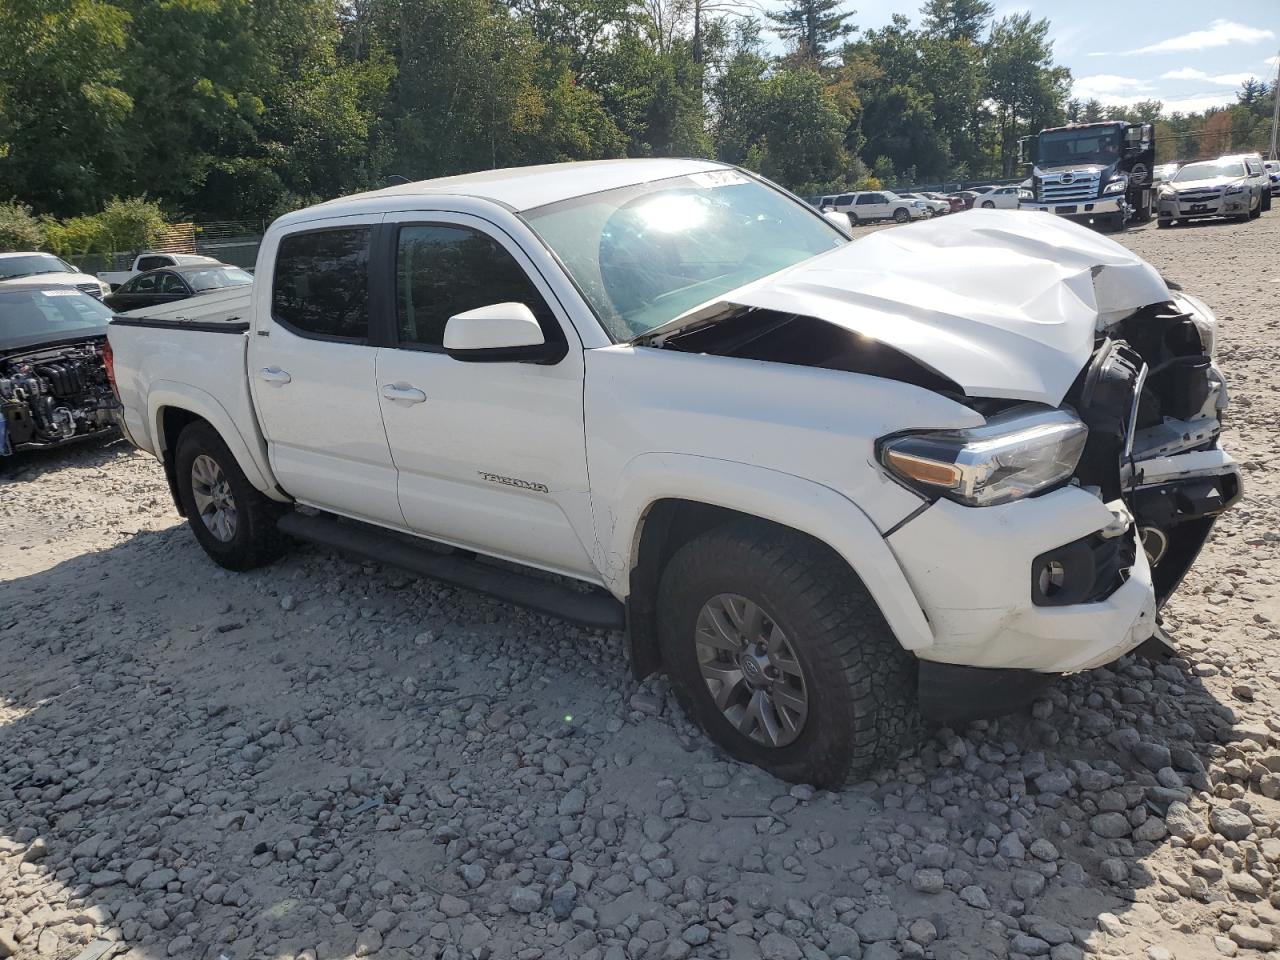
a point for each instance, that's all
(326, 758)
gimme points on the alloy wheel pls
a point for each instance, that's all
(751, 670)
(215, 502)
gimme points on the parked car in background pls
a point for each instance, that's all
(932, 207)
(966, 198)
(954, 204)
(157, 287)
(1273, 172)
(1164, 172)
(48, 270)
(870, 206)
(151, 261)
(1232, 186)
(53, 378)
(1000, 198)
(625, 373)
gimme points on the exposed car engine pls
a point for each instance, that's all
(51, 395)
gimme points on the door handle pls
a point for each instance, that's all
(274, 376)
(403, 393)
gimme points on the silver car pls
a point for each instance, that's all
(1227, 187)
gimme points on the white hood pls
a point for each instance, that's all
(61, 279)
(1208, 183)
(1005, 303)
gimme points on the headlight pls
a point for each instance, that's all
(1013, 455)
(106, 287)
(1026, 195)
(1236, 188)
(1168, 193)
(1116, 186)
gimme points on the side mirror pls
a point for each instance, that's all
(499, 333)
(841, 220)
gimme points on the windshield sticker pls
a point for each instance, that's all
(61, 293)
(718, 178)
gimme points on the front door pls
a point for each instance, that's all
(311, 370)
(490, 455)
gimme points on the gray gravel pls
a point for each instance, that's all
(328, 759)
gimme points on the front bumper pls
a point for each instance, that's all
(971, 570)
(1083, 209)
(1232, 205)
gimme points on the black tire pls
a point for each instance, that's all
(1256, 212)
(255, 540)
(853, 219)
(1144, 212)
(859, 681)
(901, 216)
(1163, 223)
(988, 205)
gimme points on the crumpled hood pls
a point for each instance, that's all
(1005, 303)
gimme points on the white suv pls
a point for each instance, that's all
(872, 205)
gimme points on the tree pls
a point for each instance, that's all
(133, 224)
(1028, 90)
(812, 26)
(956, 19)
(62, 101)
(19, 230)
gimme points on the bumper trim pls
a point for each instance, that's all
(950, 693)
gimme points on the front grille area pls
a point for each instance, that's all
(1079, 186)
(92, 289)
(1211, 195)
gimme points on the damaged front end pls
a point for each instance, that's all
(1153, 401)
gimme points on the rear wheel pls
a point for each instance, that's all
(988, 205)
(779, 653)
(234, 522)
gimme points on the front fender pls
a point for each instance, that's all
(251, 457)
(770, 495)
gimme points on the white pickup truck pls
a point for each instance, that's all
(825, 485)
(151, 261)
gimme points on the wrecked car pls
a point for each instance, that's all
(53, 379)
(826, 486)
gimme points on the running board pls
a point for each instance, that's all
(597, 609)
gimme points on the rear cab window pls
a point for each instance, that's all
(320, 286)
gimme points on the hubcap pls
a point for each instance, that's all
(751, 670)
(214, 500)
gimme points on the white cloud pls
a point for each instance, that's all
(1109, 88)
(1222, 79)
(1197, 103)
(1220, 33)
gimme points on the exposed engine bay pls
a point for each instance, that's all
(55, 394)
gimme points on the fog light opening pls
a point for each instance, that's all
(1053, 575)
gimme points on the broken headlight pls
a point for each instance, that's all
(1012, 455)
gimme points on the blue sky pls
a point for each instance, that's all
(1191, 55)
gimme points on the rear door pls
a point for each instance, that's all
(311, 371)
(489, 455)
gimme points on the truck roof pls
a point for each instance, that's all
(523, 188)
(1086, 126)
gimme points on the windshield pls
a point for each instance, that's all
(217, 277)
(1210, 169)
(31, 264)
(52, 314)
(645, 254)
(1101, 145)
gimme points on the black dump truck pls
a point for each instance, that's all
(1097, 173)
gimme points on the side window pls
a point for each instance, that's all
(148, 283)
(445, 270)
(866, 198)
(321, 283)
(879, 198)
(1253, 167)
(153, 263)
(170, 283)
(844, 199)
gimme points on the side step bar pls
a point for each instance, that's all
(597, 609)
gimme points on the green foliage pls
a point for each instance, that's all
(19, 230)
(133, 224)
(244, 109)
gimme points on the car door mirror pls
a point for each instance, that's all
(841, 220)
(499, 333)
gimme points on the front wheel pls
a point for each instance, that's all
(901, 215)
(233, 522)
(779, 653)
(1164, 223)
